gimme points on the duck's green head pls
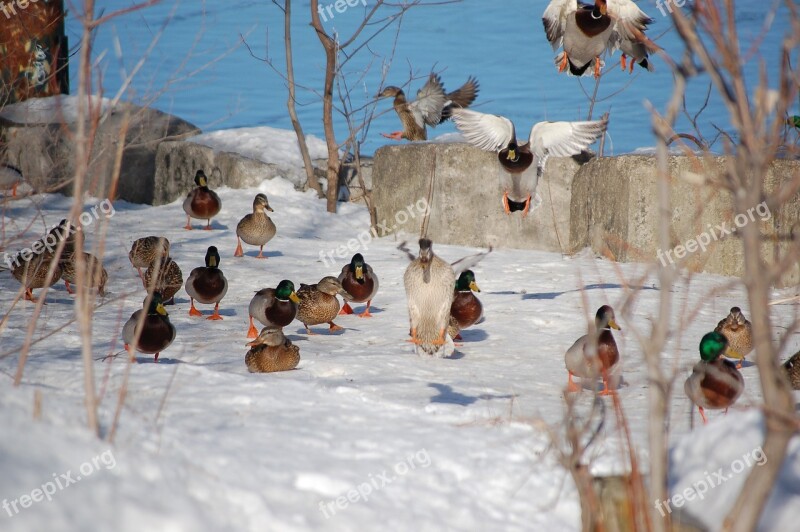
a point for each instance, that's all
(794, 121)
(285, 291)
(466, 282)
(605, 318)
(200, 179)
(212, 257)
(156, 306)
(712, 346)
(357, 266)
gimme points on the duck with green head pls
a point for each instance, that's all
(466, 308)
(360, 281)
(153, 332)
(595, 353)
(207, 285)
(715, 383)
(273, 307)
(202, 202)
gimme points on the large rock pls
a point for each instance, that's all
(177, 163)
(466, 199)
(38, 135)
(614, 210)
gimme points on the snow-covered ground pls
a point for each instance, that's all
(364, 434)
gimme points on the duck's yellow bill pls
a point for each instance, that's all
(613, 325)
(293, 297)
(359, 272)
(161, 310)
(474, 287)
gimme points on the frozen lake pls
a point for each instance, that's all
(197, 70)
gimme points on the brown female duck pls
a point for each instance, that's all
(739, 333)
(271, 351)
(164, 276)
(318, 303)
(97, 275)
(146, 251)
(257, 228)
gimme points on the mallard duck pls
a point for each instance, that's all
(595, 353)
(792, 368)
(207, 284)
(164, 276)
(70, 233)
(360, 282)
(318, 303)
(586, 31)
(273, 307)
(794, 121)
(155, 333)
(257, 228)
(497, 133)
(466, 309)
(145, 251)
(271, 351)
(432, 106)
(715, 383)
(10, 177)
(202, 202)
(429, 283)
(97, 275)
(33, 271)
(739, 332)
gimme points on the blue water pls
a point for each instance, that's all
(198, 70)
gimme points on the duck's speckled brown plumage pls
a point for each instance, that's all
(95, 272)
(318, 302)
(271, 351)
(792, 368)
(32, 273)
(256, 228)
(145, 251)
(67, 232)
(169, 280)
(738, 330)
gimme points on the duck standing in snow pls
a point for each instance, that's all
(273, 307)
(10, 178)
(715, 383)
(429, 283)
(207, 285)
(497, 133)
(155, 333)
(271, 351)
(318, 303)
(360, 281)
(432, 106)
(587, 31)
(146, 251)
(257, 228)
(466, 309)
(739, 333)
(164, 276)
(595, 353)
(32, 272)
(202, 202)
(95, 272)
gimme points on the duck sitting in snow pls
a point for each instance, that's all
(715, 383)
(207, 285)
(466, 309)
(360, 281)
(739, 333)
(147, 250)
(155, 333)
(257, 228)
(594, 354)
(273, 307)
(432, 106)
(318, 303)
(271, 351)
(202, 202)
